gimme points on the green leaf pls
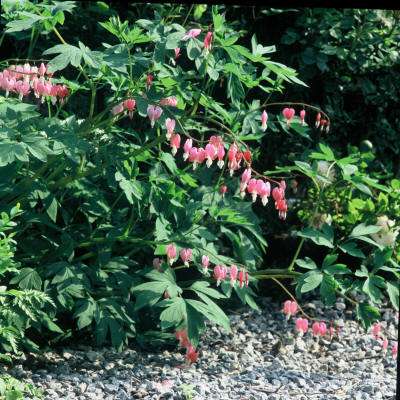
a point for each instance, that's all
(318, 237)
(155, 287)
(174, 313)
(307, 263)
(85, 313)
(311, 280)
(363, 229)
(327, 289)
(336, 269)
(367, 314)
(169, 161)
(352, 249)
(219, 316)
(28, 278)
(372, 287)
(393, 292)
(204, 287)
(131, 188)
(329, 259)
(68, 54)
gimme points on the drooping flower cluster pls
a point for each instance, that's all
(214, 150)
(128, 105)
(23, 79)
(191, 353)
(221, 272)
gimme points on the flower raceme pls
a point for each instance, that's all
(23, 79)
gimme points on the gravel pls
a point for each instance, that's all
(263, 358)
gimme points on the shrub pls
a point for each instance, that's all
(120, 226)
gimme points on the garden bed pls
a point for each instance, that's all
(247, 364)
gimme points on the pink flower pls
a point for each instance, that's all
(193, 153)
(208, 41)
(233, 273)
(376, 330)
(42, 69)
(394, 349)
(264, 120)
(278, 193)
(241, 278)
(164, 387)
(385, 344)
(281, 206)
(252, 188)
(288, 113)
(289, 308)
(119, 108)
(177, 52)
(62, 93)
(302, 325)
(191, 354)
(175, 142)
(154, 113)
(157, 262)
(317, 120)
(186, 148)
(247, 279)
(302, 116)
(319, 328)
(130, 104)
(191, 34)
(186, 256)
(171, 101)
(149, 80)
(219, 273)
(205, 262)
(170, 125)
(331, 331)
(220, 155)
(23, 88)
(246, 176)
(216, 141)
(263, 190)
(171, 253)
(223, 189)
(201, 155)
(210, 153)
(182, 336)
(9, 85)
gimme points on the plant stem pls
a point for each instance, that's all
(291, 266)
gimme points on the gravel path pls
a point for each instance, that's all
(248, 364)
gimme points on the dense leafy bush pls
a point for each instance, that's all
(95, 161)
